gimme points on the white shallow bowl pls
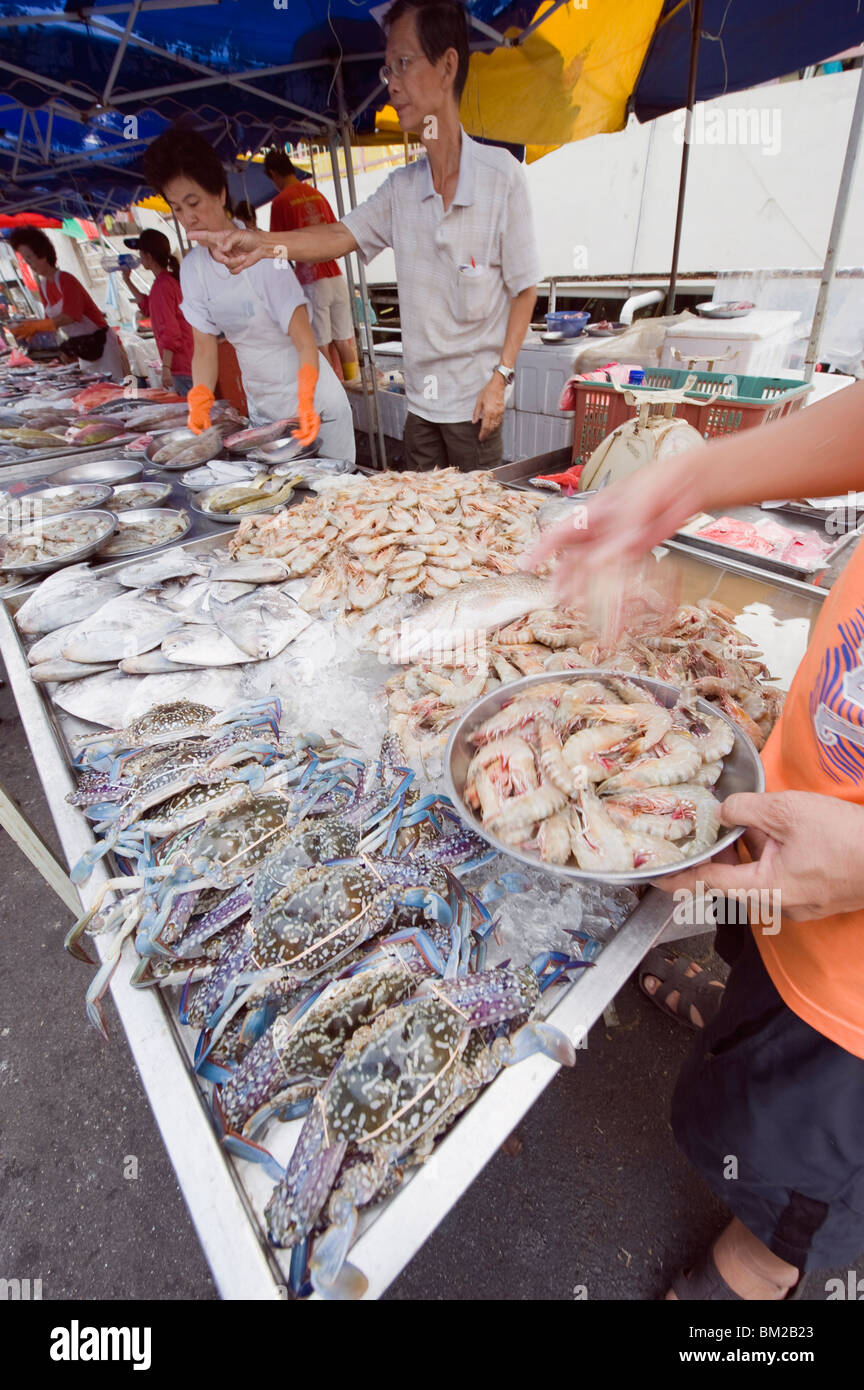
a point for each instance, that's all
(742, 771)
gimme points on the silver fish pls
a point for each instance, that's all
(263, 625)
(125, 626)
(470, 609)
(152, 663)
(261, 570)
(50, 647)
(102, 699)
(244, 440)
(59, 669)
(181, 446)
(220, 689)
(203, 644)
(171, 564)
(67, 596)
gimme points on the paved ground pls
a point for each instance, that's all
(590, 1190)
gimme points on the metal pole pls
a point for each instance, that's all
(349, 275)
(364, 295)
(312, 164)
(685, 153)
(840, 209)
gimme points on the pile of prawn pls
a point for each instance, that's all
(699, 649)
(423, 533)
(598, 772)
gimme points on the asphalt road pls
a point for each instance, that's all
(589, 1192)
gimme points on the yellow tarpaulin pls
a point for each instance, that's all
(573, 76)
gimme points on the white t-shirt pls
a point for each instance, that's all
(457, 272)
(204, 281)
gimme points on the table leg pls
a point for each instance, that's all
(22, 832)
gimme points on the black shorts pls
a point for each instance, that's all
(771, 1114)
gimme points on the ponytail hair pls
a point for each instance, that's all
(173, 266)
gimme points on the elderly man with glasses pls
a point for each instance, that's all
(459, 222)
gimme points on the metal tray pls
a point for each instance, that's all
(767, 562)
(742, 771)
(230, 518)
(161, 494)
(137, 515)
(73, 557)
(98, 493)
(107, 470)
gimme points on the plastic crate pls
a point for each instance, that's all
(721, 404)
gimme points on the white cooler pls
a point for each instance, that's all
(756, 345)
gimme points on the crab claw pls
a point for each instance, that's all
(534, 1038)
(332, 1277)
(254, 1153)
(84, 867)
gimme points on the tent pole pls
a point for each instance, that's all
(312, 163)
(349, 275)
(364, 293)
(841, 206)
(685, 153)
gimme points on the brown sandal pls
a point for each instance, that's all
(699, 990)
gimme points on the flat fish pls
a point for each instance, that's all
(50, 647)
(67, 596)
(171, 564)
(58, 669)
(472, 608)
(152, 663)
(203, 644)
(263, 625)
(264, 570)
(123, 627)
(104, 699)
(220, 689)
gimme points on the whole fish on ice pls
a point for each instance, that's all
(124, 627)
(472, 608)
(203, 644)
(59, 669)
(67, 596)
(263, 624)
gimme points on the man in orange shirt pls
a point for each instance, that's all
(297, 206)
(776, 1079)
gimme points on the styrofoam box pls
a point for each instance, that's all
(539, 434)
(756, 345)
(394, 410)
(541, 371)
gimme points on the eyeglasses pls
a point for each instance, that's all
(401, 67)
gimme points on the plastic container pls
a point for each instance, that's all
(759, 342)
(637, 376)
(721, 404)
(570, 324)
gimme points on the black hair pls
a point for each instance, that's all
(441, 24)
(276, 161)
(181, 151)
(39, 243)
(157, 245)
(245, 212)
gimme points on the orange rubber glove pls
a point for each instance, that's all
(199, 400)
(309, 419)
(31, 327)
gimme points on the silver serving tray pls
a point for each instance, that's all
(283, 451)
(137, 515)
(72, 557)
(108, 470)
(97, 493)
(160, 494)
(742, 771)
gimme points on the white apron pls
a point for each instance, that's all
(268, 361)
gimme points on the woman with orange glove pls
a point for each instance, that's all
(262, 311)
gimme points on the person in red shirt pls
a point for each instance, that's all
(296, 206)
(162, 305)
(775, 1080)
(70, 307)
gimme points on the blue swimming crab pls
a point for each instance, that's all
(400, 1082)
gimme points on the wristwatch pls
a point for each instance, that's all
(507, 372)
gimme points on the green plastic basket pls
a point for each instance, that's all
(718, 403)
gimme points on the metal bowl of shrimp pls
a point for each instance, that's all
(595, 774)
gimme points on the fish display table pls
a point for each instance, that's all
(226, 1196)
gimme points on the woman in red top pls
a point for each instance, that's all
(162, 306)
(70, 307)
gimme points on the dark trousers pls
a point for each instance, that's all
(431, 445)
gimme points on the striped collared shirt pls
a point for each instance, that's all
(456, 271)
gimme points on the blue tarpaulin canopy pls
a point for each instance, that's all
(255, 72)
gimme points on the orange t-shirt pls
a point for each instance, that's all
(296, 207)
(818, 746)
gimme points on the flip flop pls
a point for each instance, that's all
(705, 1284)
(671, 970)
